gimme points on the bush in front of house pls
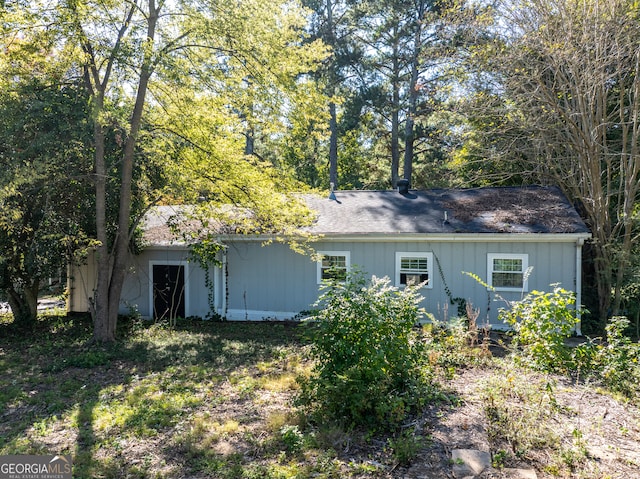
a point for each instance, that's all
(613, 362)
(370, 367)
(540, 323)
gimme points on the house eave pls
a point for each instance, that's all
(425, 237)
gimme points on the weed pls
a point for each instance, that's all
(499, 458)
(541, 322)
(292, 438)
(519, 412)
(406, 446)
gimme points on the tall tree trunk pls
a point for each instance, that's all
(100, 304)
(24, 303)
(333, 145)
(395, 113)
(333, 117)
(123, 234)
(409, 130)
(111, 265)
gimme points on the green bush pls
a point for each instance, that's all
(540, 323)
(370, 367)
(614, 363)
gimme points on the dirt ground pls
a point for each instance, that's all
(609, 431)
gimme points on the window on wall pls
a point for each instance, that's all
(414, 268)
(507, 271)
(333, 265)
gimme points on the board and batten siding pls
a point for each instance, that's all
(274, 282)
(137, 291)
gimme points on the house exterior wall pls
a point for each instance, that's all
(274, 282)
(137, 292)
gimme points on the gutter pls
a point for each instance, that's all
(427, 237)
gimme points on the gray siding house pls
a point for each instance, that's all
(515, 239)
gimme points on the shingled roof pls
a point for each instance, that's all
(514, 210)
(532, 209)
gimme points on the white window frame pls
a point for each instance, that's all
(185, 265)
(525, 265)
(400, 255)
(321, 254)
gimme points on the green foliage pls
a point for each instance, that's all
(406, 446)
(205, 253)
(370, 366)
(292, 438)
(541, 322)
(44, 196)
(618, 360)
(615, 363)
(456, 344)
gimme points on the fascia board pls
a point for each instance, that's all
(427, 237)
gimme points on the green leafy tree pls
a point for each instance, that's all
(557, 101)
(243, 58)
(44, 133)
(405, 47)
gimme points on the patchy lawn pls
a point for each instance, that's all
(211, 399)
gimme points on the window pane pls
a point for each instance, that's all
(502, 264)
(507, 280)
(407, 279)
(334, 262)
(413, 264)
(334, 274)
(334, 268)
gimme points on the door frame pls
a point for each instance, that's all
(185, 266)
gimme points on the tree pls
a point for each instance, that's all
(335, 22)
(43, 135)
(565, 90)
(404, 54)
(44, 131)
(186, 47)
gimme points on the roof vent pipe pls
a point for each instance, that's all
(332, 195)
(403, 186)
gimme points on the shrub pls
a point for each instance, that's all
(615, 364)
(619, 358)
(370, 367)
(540, 323)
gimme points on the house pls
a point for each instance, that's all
(516, 239)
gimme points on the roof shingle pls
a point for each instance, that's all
(515, 210)
(532, 209)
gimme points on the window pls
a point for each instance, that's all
(507, 271)
(333, 265)
(414, 268)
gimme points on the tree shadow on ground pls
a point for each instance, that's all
(63, 375)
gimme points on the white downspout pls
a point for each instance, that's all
(579, 244)
(223, 313)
